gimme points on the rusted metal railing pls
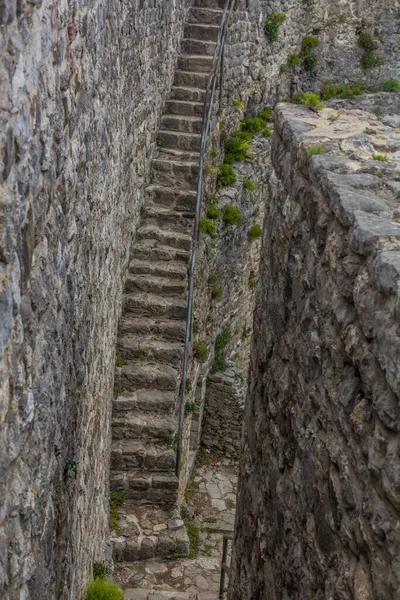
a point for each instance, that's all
(216, 70)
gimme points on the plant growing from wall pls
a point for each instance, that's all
(232, 215)
(293, 60)
(217, 293)
(116, 500)
(190, 408)
(310, 100)
(226, 175)
(201, 350)
(214, 213)
(391, 85)
(100, 570)
(307, 45)
(266, 114)
(255, 232)
(272, 25)
(237, 146)
(70, 469)
(160, 139)
(223, 338)
(314, 150)
(207, 226)
(254, 125)
(248, 184)
(380, 157)
(369, 59)
(100, 589)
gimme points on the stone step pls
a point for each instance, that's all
(161, 329)
(142, 455)
(146, 400)
(184, 107)
(146, 594)
(188, 93)
(175, 239)
(184, 200)
(138, 348)
(198, 47)
(151, 249)
(178, 154)
(154, 284)
(205, 16)
(139, 375)
(182, 174)
(201, 32)
(147, 532)
(210, 3)
(170, 219)
(172, 269)
(179, 140)
(134, 425)
(199, 63)
(153, 305)
(183, 123)
(142, 488)
(192, 79)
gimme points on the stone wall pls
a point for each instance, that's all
(256, 70)
(318, 502)
(82, 88)
(235, 261)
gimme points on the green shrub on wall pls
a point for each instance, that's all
(272, 24)
(100, 589)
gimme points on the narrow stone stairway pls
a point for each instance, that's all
(152, 327)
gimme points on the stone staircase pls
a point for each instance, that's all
(151, 333)
(142, 594)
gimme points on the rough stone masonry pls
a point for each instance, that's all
(82, 88)
(319, 488)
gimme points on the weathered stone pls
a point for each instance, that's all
(319, 488)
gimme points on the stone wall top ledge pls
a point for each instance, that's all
(362, 191)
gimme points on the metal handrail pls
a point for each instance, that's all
(207, 111)
(224, 565)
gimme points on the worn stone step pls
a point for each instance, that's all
(205, 16)
(154, 284)
(152, 305)
(183, 123)
(199, 63)
(172, 269)
(134, 348)
(177, 154)
(180, 140)
(147, 532)
(184, 107)
(162, 329)
(210, 3)
(144, 426)
(139, 375)
(160, 216)
(152, 249)
(142, 455)
(192, 79)
(141, 488)
(187, 93)
(198, 47)
(201, 32)
(180, 200)
(146, 400)
(182, 174)
(175, 239)
(146, 594)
